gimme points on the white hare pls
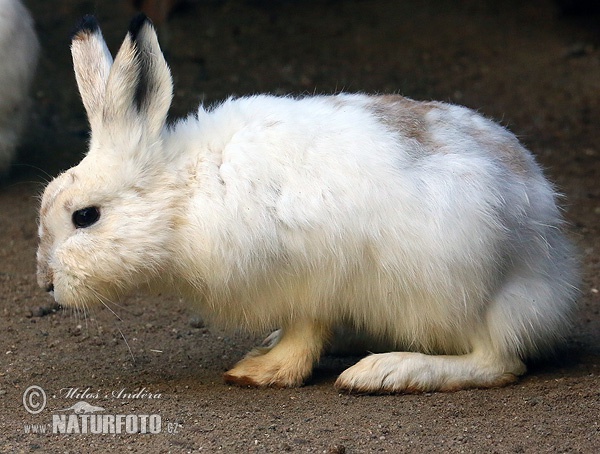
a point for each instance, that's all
(19, 50)
(422, 226)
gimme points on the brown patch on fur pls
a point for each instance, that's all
(508, 151)
(404, 115)
(68, 205)
(240, 381)
(245, 381)
(408, 118)
(81, 35)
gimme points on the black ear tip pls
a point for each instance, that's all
(137, 23)
(87, 25)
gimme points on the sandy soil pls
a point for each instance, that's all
(522, 63)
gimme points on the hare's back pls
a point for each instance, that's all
(329, 161)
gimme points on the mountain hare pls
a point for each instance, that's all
(421, 225)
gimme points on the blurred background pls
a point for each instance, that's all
(532, 65)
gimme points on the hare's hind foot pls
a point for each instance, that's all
(287, 360)
(404, 372)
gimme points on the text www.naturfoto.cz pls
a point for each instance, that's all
(98, 424)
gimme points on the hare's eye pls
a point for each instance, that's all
(86, 217)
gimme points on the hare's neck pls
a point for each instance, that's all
(195, 165)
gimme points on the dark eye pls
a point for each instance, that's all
(85, 217)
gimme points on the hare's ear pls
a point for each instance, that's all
(92, 62)
(140, 78)
(155, 86)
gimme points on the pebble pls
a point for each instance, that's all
(196, 322)
(41, 311)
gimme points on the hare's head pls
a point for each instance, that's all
(104, 224)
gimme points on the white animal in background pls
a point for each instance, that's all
(421, 226)
(19, 49)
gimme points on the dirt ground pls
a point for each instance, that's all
(525, 64)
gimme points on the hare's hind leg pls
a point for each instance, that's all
(286, 361)
(398, 372)
(528, 316)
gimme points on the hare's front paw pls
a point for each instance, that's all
(286, 362)
(262, 369)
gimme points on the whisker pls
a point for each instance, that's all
(104, 300)
(85, 316)
(127, 343)
(125, 309)
(39, 169)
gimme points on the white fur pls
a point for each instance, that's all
(19, 50)
(422, 226)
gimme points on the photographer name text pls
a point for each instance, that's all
(89, 393)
